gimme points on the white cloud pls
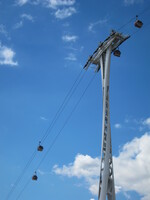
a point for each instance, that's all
(137, 124)
(3, 30)
(27, 16)
(100, 22)
(21, 2)
(54, 4)
(85, 167)
(63, 8)
(131, 168)
(127, 195)
(117, 125)
(71, 57)
(41, 172)
(7, 56)
(57, 3)
(21, 22)
(132, 171)
(43, 118)
(18, 25)
(146, 122)
(32, 2)
(131, 2)
(69, 38)
(65, 12)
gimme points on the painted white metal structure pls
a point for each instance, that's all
(101, 58)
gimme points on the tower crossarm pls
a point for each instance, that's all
(115, 40)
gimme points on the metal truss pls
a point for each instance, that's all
(101, 58)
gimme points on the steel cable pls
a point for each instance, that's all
(61, 109)
(21, 175)
(63, 105)
(58, 113)
(58, 134)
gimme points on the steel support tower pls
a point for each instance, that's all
(101, 58)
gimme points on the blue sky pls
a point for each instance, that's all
(44, 45)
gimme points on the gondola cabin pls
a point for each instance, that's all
(138, 23)
(117, 53)
(34, 177)
(40, 148)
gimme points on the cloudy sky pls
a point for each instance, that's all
(46, 96)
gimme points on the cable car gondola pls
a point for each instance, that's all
(138, 23)
(34, 177)
(40, 147)
(117, 53)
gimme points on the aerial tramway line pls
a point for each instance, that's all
(95, 58)
(99, 57)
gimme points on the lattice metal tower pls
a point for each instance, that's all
(101, 58)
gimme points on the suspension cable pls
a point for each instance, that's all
(66, 122)
(58, 113)
(21, 174)
(58, 134)
(61, 109)
(121, 27)
(130, 20)
(23, 189)
(64, 104)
